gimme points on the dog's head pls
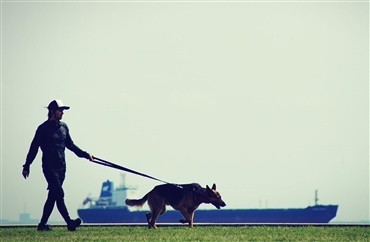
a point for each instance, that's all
(214, 197)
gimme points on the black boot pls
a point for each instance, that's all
(43, 227)
(73, 224)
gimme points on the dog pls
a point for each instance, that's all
(185, 198)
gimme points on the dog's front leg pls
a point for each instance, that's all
(185, 215)
(183, 221)
(188, 217)
(191, 219)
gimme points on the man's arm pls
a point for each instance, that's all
(34, 147)
(71, 146)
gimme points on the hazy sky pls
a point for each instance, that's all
(269, 100)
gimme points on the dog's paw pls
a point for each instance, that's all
(184, 221)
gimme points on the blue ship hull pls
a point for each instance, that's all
(312, 214)
(110, 208)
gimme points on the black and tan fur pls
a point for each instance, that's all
(184, 198)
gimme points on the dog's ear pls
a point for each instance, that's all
(214, 186)
(207, 187)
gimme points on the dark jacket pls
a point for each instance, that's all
(53, 137)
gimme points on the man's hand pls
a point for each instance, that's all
(91, 157)
(26, 171)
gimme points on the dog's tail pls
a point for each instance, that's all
(137, 202)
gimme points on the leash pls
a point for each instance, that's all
(118, 167)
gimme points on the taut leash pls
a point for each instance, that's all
(110, 164)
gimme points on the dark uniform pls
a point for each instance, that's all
(53, 137)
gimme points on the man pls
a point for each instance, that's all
(53, 137)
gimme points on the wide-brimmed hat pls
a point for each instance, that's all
(57, 104)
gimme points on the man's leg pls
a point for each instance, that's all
(56, 185)
(49, 204)
(48, 208)
(55, 180)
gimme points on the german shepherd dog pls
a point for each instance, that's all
(185, 198)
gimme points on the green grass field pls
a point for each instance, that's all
(182, 233)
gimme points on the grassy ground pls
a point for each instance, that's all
(182, 233)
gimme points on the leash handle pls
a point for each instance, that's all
(118, 167)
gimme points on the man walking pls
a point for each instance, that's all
(52, 136)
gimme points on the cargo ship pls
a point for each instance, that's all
(110, 207)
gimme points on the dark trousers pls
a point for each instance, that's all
(56, 195)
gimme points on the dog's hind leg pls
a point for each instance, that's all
(148, 219)
(155, 215)
(163, 210)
